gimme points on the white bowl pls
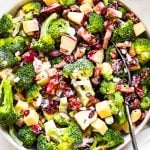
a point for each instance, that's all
(13, 5)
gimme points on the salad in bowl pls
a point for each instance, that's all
(63, 82)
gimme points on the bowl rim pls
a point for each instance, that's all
(127, 138)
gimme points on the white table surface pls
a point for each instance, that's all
(142, 8)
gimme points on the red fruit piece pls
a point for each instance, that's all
(36, 129)
(29, 56)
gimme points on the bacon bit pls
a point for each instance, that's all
(140, 91)
(100, 8)
(107, 36)
(87, 36)
(29, 56)
(124, 89)
(20, 122)
(111, 12)
(114, 54)
(52, 72)
(126, 44)
(92, 100)
(79, 52)
(60, 65)
(96, 76)
(55, 53)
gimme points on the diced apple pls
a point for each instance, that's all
(76, 17)
(49, 2)
(21, 106)
(68, 44)
(106, 68)
(30, 26)
(84, 119)
(86, 8)
(32, 118)
(103, 109)
(49, 125)
(99, 126)
(138, 28)
(90, 2)
(96, 56)
(135, 115)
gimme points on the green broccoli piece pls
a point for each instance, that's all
(80, 72)
(123, 10)
(43, 144)
(117, 108)
(142, 50)
(7, 59)
(57, 118)
(26, 135)
(25, 74)
(8, 24)
(31, 9)
(56, 60)
(145, 103)
(109, 140)
(106, 2)
(8, 115)
(13, 44)
(32, 92)
(107, 87)
(58, 27)
(124, 33)
(13, 134)
(69, 137)
(67, 2)
(46, 42)
(109, 50)
(95, 23)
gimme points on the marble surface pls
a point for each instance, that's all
(141, 8)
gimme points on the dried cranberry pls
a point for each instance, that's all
(140, 91)
(36, 129)
(142, 116)
(55, 53)
(117, 23)
(113, 5)
(130, 97)
(135, 104)
(36, 35)
(91, 53)
(26, 112)
(74, 104)
(135, 80)
(91, 114)
(29, 56)
(69, 59)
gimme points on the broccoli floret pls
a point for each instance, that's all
(106, 2)
(80, 72)
(58, 27)
(57, 118)
(43, 144)
(26, 135)
(8, 24)
(69, 137)
(8, 115)
(7, 59)
(123, 33)
(31, 9)
(25, 74)
(46, 42)
(56, 60)
(109, 50)
(13, 134)
(107, 87)
(142, 50)
(145, 103)
(67, 2)
(123, 10)
(109, 140)
(117, 108)
(95, 23)
(13, 44)
(32, 92)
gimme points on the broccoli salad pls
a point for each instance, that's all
(63, 84)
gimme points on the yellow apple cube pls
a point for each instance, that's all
(32, 118)
(103, 109)
(139, 28)
(30, 26)
(135, 115)
(86, 8)
(21, 106)
(49, 125)
(99, 126)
